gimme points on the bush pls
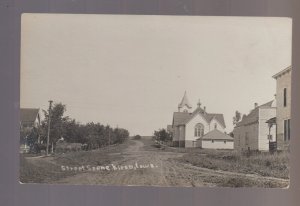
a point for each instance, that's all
(136, 137)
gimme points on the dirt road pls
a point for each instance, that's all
(165, 171)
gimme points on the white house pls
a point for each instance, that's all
(29, 120)
(253, 131)
(283, 111)
(188, 125)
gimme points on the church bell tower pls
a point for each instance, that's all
(184, 105)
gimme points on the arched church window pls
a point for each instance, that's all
(199, 130)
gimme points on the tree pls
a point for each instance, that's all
(58, 121)
(237, 117)
(162, 135)
(94, 135)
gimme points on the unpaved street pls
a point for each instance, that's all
(167, 171)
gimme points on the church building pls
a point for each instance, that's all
(189, 126)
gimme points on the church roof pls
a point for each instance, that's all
(181, 118)
(216, 135)
(218, 117)
(185, 102)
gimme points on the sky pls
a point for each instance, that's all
(131, 71)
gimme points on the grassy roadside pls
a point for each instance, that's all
(48, 169)
(225, 181)
(265, 164)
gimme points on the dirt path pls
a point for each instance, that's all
(166, 171)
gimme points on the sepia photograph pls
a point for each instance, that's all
(149, 100)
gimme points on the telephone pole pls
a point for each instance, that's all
(49, 120)
(108, 137)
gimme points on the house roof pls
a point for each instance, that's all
(182, 118)
(268, 104)
(282, 72)
(253, 116)
(28, 115)
(216, 135)
(185, 102)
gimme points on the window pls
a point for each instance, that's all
(225, 142)
(216, 126)
(212, 141)
(199, 130)
(284, 97)
(286, 129)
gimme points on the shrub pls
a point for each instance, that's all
(136, 137)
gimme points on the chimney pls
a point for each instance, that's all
(204, 108)
(255, 105)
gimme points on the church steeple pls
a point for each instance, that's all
(184, 105)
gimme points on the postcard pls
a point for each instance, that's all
(147, 100)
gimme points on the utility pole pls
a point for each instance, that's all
(108, 137)
(49, 120)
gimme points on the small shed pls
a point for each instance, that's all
(215, 139)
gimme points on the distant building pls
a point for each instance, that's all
(253, 131)
(283, 114)
(188, 126)
(29, 119)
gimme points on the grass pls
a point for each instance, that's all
(40, 172)
(225, 181)
(265, 164)
(48, 169)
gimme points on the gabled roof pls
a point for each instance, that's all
(207, 116)
(215, 135)
(218, 117)
(185, 102)
(282, 72)
(182, 118)
(28, 115)
(253, 116)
